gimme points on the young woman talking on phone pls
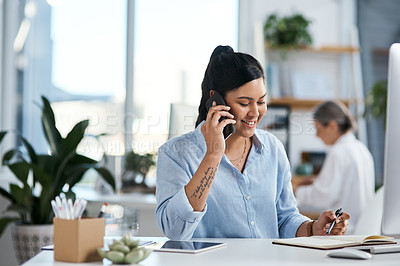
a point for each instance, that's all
(209, 186)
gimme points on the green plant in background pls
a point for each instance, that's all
(136, 164)
(377, 100)
(287, 33)
(46, 173)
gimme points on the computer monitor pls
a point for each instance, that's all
(182, 119)
(391, 211)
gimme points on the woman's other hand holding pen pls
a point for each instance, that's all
(325, 220)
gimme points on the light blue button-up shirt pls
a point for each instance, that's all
(257, 203)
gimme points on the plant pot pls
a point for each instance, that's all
(28, 239)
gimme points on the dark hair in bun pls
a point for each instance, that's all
(227, 71)
(220, 49)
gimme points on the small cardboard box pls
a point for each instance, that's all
(77, 240)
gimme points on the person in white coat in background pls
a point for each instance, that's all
(347, 178)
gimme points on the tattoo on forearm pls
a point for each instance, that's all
(205, 182)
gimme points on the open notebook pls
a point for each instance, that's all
(332, 242)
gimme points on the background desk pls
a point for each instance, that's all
(238, 252)
(145, 204)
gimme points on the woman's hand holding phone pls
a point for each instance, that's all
(219, 100)
(203, 178)
(213, 128)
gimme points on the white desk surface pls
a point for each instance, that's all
(237, 252)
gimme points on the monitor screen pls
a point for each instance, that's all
(391, 213)
(182, 119)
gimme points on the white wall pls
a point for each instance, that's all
(331, 19)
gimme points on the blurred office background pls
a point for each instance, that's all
(132, 66)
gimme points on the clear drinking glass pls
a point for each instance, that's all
(130, 221)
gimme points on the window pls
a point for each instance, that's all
(76, 53)
(173, 43)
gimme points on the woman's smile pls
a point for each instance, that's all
(250, 124)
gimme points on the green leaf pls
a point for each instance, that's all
(5, 221)
(76, 168)
(59, 178)
(41, 209)
(21, 171)
(41, 176)
(31, 151)
(76, 174)
(18, 208)
(9, 155)
(18, 193)
(51, 133)
(287, 33)
(2, 135)
(74, 137)
(7, 195)
(107, 176)
(24, 206)
(48, 163)
(81, 159)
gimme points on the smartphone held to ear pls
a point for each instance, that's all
(219, 100)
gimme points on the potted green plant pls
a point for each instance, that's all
(287, 33)
(42, 177)
(376, 101)
(136, 167)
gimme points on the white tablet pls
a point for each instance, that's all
(185, 246)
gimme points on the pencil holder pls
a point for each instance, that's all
(77, 240)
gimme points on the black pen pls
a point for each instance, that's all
(102, 210)
(338, 212)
